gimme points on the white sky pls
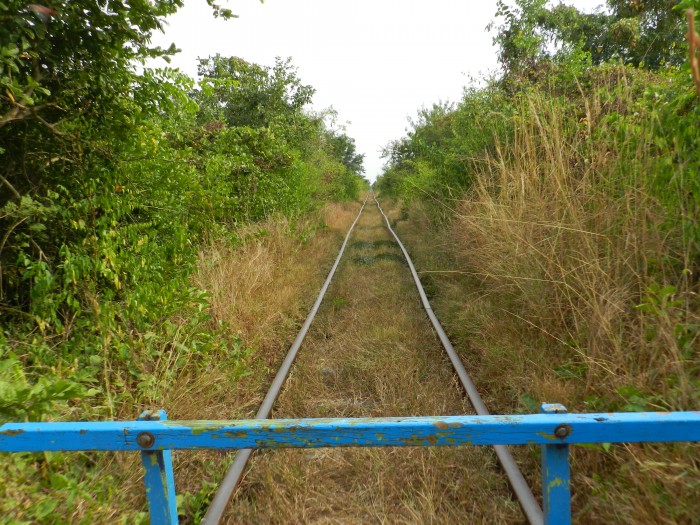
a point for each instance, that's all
(375, 61)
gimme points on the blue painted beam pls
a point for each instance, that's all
(534, 429)
(159, 479)
(556, 477)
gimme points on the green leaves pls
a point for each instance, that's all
(262, 153)
(249, 95)
(22, 400)
(109, 188)
(659, 299)
(646, 34)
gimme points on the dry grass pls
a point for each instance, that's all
(572, 252)
(546, 263)
(371, 352)
(263, 289)
(255, 286)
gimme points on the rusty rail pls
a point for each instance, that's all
(223, 496)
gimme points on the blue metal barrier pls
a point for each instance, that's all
(554, 430)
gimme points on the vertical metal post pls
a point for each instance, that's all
(159, 479)
(556, 490)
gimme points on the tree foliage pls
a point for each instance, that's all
(559, 52)
(646, 33)
(245, 94)
(111, 178)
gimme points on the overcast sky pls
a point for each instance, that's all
(375, 61)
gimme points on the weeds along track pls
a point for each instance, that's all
(372, 353)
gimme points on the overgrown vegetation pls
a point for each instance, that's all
(113, 178)
(371, 352)
(568, 187)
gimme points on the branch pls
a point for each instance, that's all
(52, 127)
(694, 45)
(12, 115)
(20, 112)
(12, 188)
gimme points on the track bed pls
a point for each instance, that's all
(371, 351)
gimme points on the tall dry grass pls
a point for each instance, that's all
(262, 285)
(581, 296)
(579, 248)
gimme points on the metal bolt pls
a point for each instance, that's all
(145, 440)
(562, 431)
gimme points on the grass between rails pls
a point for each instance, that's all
(371, 352)
(263, 289)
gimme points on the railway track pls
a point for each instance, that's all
(366, 434)
(530, 507)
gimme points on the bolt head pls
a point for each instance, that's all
(145, 440)
(562, 431)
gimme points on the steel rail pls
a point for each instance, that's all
(522, 490)
(215, 512)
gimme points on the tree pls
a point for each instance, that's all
(69, 104)
(641, 33)
(344, 148)
(646, 33)
(519, 39)
(245, 94)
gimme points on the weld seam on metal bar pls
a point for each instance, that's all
(522, 490)
(215, 512)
